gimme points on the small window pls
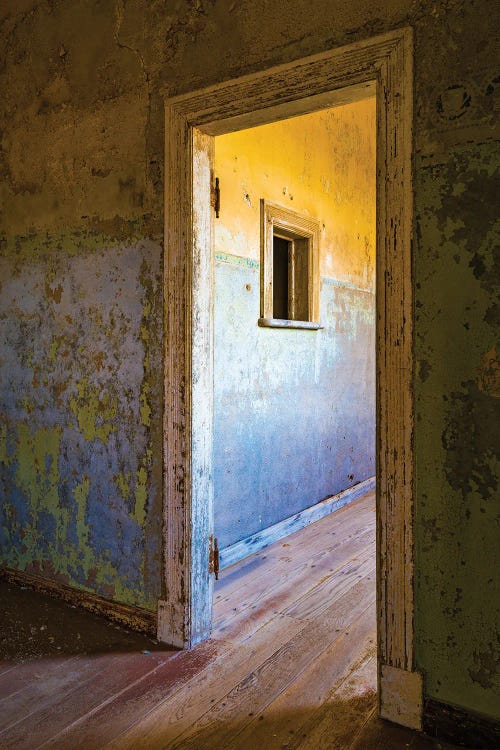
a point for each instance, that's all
(281, 289)
(289, 268)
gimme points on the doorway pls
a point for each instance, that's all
(381, 65)
(294, 324)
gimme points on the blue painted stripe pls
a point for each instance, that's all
(241, 262)
(237, 260)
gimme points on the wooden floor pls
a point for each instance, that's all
(291, 664)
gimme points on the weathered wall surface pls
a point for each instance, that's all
(294, 409)
(78, 370)
(80, 307)
(81, 155)
(458, 451)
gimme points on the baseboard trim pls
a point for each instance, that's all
(135, 618)
(460, 727)
(236, 552)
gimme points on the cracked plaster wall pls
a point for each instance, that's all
(81, 195)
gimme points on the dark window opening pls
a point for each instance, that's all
(280, 278)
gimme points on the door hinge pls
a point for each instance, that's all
(213, 558)
(217, 198)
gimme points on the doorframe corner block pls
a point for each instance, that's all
(401, 696)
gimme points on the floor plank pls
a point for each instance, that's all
(30, 673)
(344, 712)
(260, 687)
(88, 686)
(290, 665)
(275, 594)
(287, 713)
(196, 698)
(121, 710)
(297, 568)
(310, 546)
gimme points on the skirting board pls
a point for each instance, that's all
(235, 552)
(135, 618)
(460, 727)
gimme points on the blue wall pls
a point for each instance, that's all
(294, 409)
(80, 413)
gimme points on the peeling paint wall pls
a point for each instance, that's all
(459, 411)
(80, 484)
(80, 305)
(294, 410)
(81, 156)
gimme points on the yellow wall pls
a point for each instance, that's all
(322, 164)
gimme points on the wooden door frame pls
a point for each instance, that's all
(382, 64)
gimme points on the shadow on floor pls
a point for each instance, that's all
(342, 724)
(33, 626)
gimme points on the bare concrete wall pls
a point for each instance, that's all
(294, 410)
(81, 166)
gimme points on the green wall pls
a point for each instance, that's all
(458, 414)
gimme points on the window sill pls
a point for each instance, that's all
(279, 323)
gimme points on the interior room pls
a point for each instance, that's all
(294, 406)
(168, 304)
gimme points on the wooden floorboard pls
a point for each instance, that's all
(300, 568)
(114, 716)
(252, 695)
(208, 688)
(309, 546)
(29, 674)
(280, 717)
(291, 663)
(343, 712)
(90, 684)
